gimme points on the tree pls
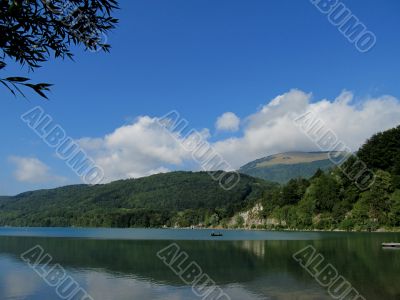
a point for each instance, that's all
(394, 214)
(360, 213)
(33, 31)
(325, 190)
(317, 174)
(382, 151)
(214, 219)
(239, 221)
(293, 191)
(305, 209)
(378, 197)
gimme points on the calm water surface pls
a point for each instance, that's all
(116, 264)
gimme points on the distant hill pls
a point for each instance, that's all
(4, 198)
(163, 199)
(327, 201)
(282, 167)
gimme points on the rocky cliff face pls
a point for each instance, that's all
(253, 218)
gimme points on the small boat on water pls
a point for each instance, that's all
(391, 245)
(216, 234)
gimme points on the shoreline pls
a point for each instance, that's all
(380, 230)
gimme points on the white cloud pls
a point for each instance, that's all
(32, 170)
(139, 149)
(144, 148)
(272, 130)
(228, 122)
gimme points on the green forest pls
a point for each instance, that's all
(181, 198)
(328, 200)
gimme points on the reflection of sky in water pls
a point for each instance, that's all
(19, 282)
(244, 269)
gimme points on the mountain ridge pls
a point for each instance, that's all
(152, 201)
(281, 167)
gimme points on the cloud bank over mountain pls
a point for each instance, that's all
(144, 147)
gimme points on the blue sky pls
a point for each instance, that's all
(205, 58)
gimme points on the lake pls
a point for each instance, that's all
(118, 264)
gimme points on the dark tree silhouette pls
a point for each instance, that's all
(31, 31)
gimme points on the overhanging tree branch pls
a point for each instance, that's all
(33, 31)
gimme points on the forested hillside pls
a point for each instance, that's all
(328, 200)
(331, 200)
(181, 198)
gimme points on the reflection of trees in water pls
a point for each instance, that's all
(265, 267)
(255, 247)
(225, 262)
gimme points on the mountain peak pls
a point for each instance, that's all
(282, 167)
